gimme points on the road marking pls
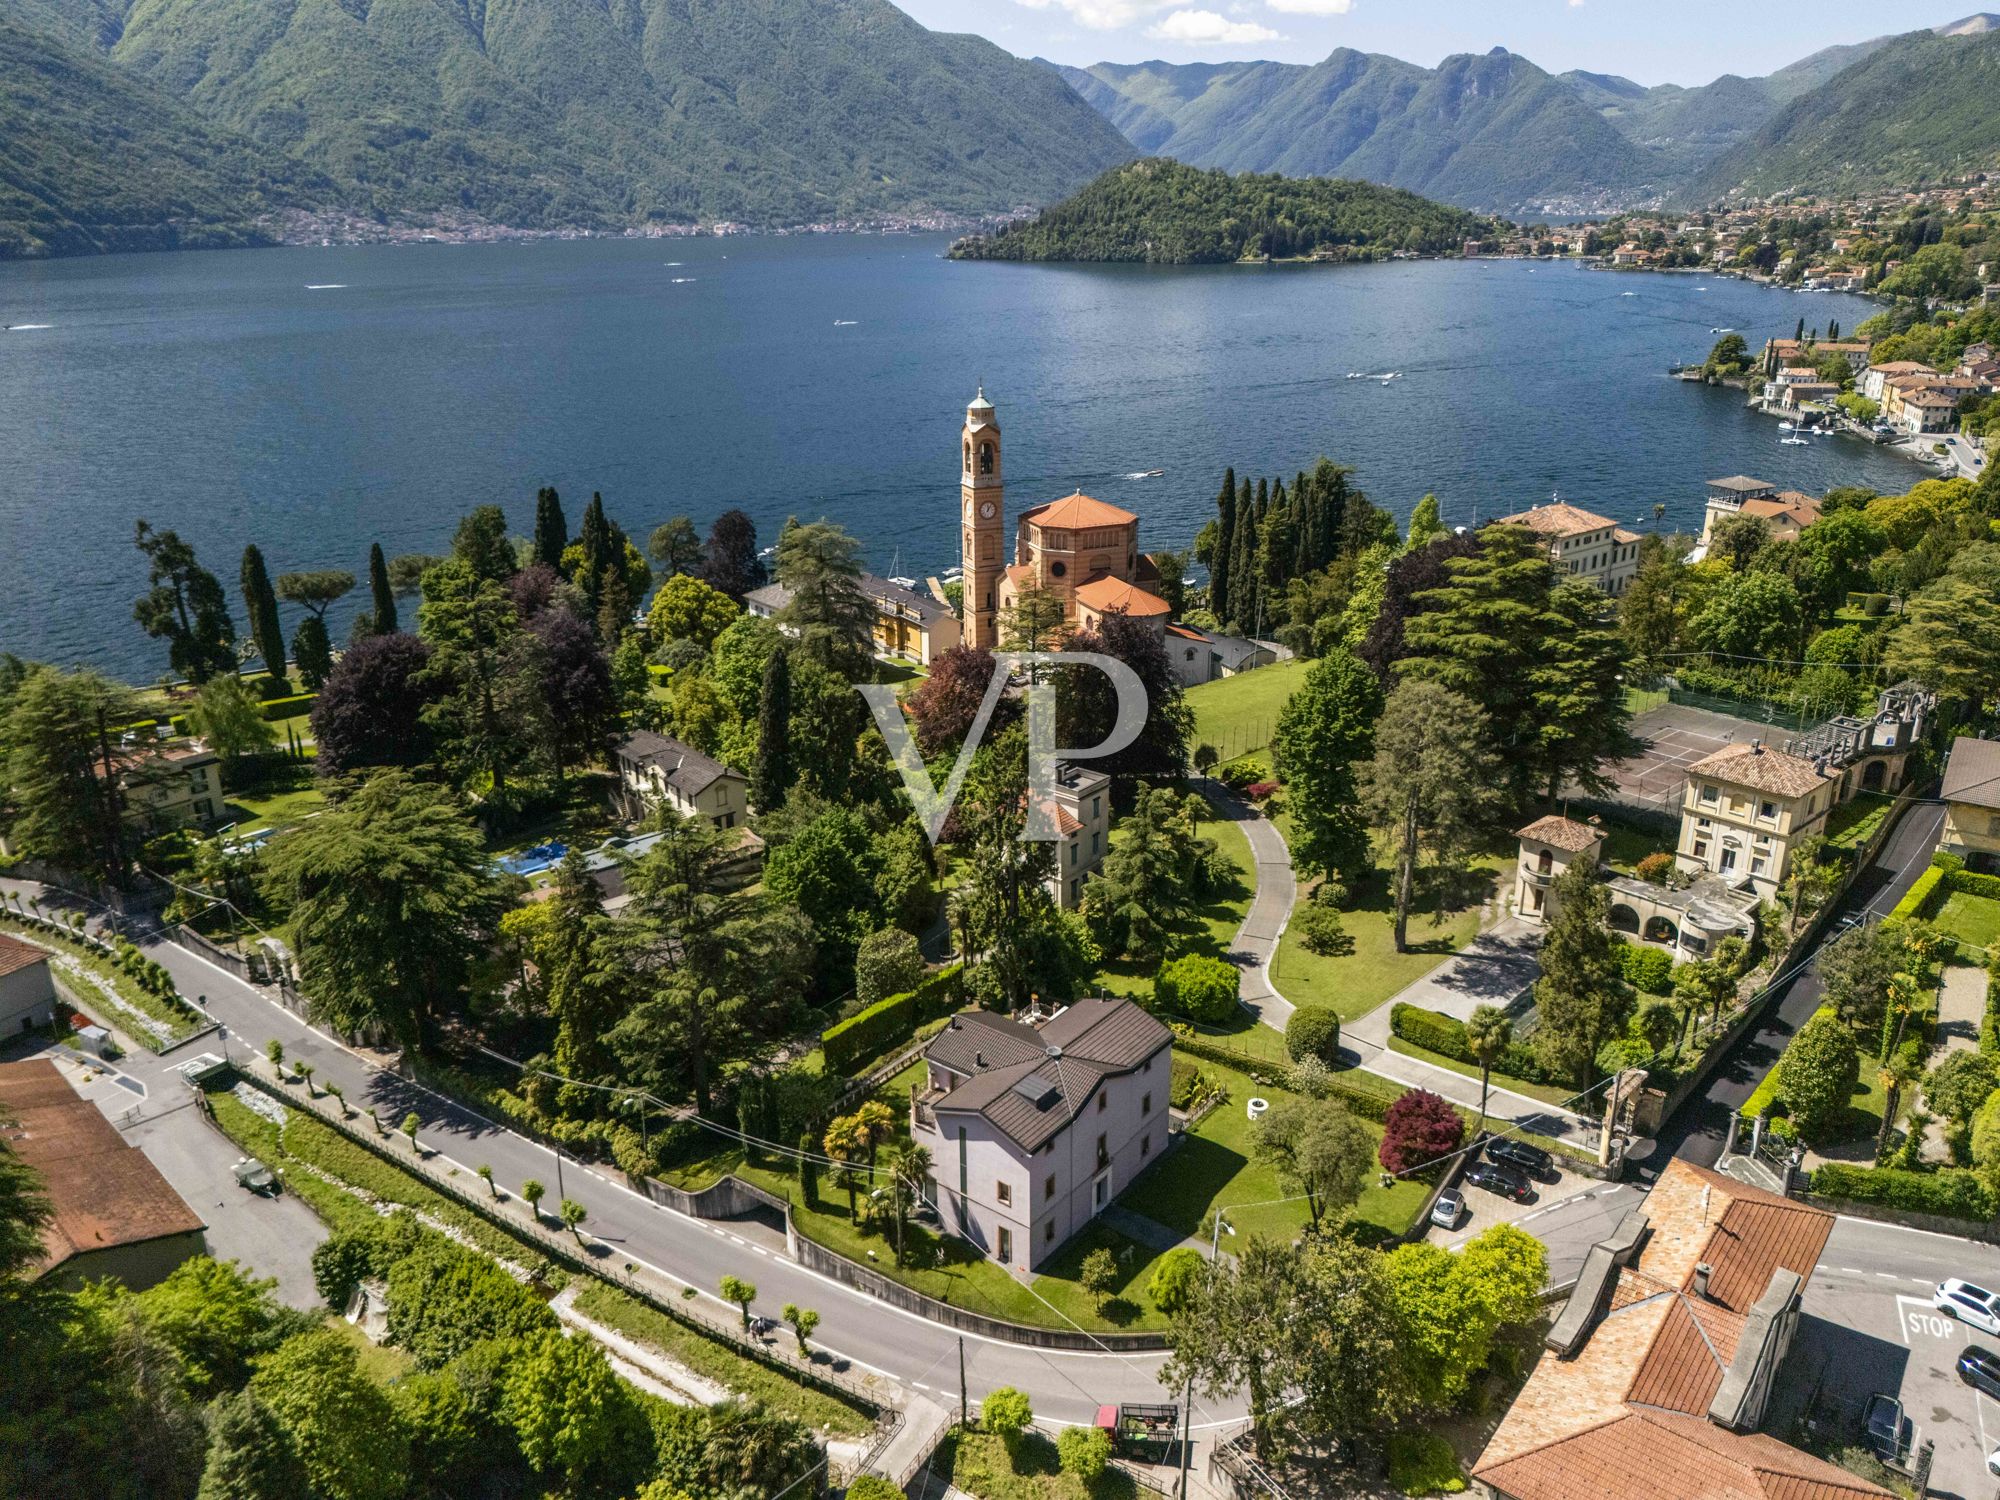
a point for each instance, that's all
(1956, 1239)
(1915, 1315)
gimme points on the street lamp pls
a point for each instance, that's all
(1187, 1400)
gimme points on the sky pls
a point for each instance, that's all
(1649, 41)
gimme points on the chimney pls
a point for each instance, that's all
(1701, 1274)
(1756, 747)
(979, 1059)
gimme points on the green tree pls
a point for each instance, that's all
(1581, 999)
(1950, 636)
(392, 898)
(1580, 718)
(888, 962)
(742, 1293)
(575, 1420)
(1084, 1452)
(341, 1425)
(532, 1192)
(261, 604)
(485, 669)
(250, 1456)
(184, 606)
(316, 591)
(215, 1318)
(551, 538)
(228, 714)
(1001, 906)
(803, 1320)
(1488, 1035)
(312, 652)
(1730, 356)
(1426, 526)
(69, 807)
(1176, 1279)
(737, 661)
(819, 564)
(1855, 971)
(1098, 1275)
(382, 618)
(774, 771)
(573, 1214)
(1431, 786)
(1007, 1412)
(1817, 1075)
(1240, 1330)
(676, 546)
(1752, 615)
(1319, 1150)
(1326, 728)
(1313, 1031)
(1035, 619)
(1159, 865)
(480, 545)
(686, 609)
(1959, 1084)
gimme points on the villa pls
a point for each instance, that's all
(1582, 544)
(1971, 796)
(1744, 810)
(1034, 1129)
(654, 771)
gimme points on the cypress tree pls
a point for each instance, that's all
(1263, 500)
(1799, 334)
(1274, 561)
(313, 652)
(1218, 564)
(250, 1454)
(595, 535)
(383, 618)
(551, 528)
(773, 776)
(808, 1170)
(1305, 519)
(262, 606)
(1243, 566)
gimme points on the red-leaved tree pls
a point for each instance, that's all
(1419, 1128)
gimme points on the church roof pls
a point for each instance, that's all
(1114, 596)
(1077, 512)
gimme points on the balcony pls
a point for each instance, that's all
(1542, 878)
(923, 1108)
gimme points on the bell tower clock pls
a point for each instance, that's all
(980, 519)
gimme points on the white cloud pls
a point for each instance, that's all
(1319, 7)
(1100, 15)
(1205, 26)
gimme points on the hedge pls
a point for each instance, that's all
(285, 708)
(1922, 897)
(1437, 1032)
(1967, 883)
(889, 1021)
(1954, 1194)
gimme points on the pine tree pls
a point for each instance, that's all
(774, 775)
(250, 1455)
(1278, 542)
(1225, 537)
(551, 528)
(384, 617)
(261, 604)
(595, 535)
(1330, 497)
(1580, 998)
(313, 652)
(1243, 567)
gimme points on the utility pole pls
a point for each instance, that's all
(964, 1407)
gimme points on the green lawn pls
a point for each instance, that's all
(1355, 983)
(985, 1467)
(274, 793)
(1211, 928)
(1214, 1168)
(1547, 1093)
(1973, 920)
(1239, 714)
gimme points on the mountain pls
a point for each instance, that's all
(92, 160)
(604, 112)
(1167, 213)
(1493, 132)
(1919, 108)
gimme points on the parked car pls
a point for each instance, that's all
(1980, 1369)
(1530, 1161)
(1884, 1427)
(1448, 1210)
(1502, 1180)
(1969, 1304)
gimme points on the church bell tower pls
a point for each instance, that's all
(980, 517)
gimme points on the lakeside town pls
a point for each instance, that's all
(559, 989)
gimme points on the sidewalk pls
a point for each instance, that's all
(1256, 941)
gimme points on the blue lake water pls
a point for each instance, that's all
(315, 400)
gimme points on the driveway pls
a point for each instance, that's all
(1568, 1216)
(1496, 968)
(1256, 941)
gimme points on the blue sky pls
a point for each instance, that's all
(1652, 41)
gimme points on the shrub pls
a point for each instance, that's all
(1817, 1074)
(1259, 790)
(1313, 1031)
(1951, 1193)
(1418, 1129)
(1655, 867)
(889, 962)
(887, 1021)
(1006, 1411)
(1200, 988)
(1084, 1452)
(1239, 774)
(1969, 883)
(1175, 1278)
(1623, 1052)
(285, 708)
(1321, 931)
(873, 1487)
(1432, 1030)
(1422, 1463)
(1648, 969)
(1922, 898)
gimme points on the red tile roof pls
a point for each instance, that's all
(1114, 596)
(1078, 512)
(16, 955)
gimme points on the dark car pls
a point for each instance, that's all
(1530, 1160)
(1498, 1179)
(1885, 1428)
(1980, 1368)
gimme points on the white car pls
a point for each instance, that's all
(1968, 1303)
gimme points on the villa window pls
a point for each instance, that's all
(1708, 793)
(1145, 1104)
(1049, 1232)
(1759, 865)
(1006, 1244)
(1096, 808)
(1545, 862)
(1049, 1188)
(1058, 569)
(1004, 1191)
(1103, 1099)
(1700, 850)
(1767, 810)
(1103, 1157)
(1145, 1147)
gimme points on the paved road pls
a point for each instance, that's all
(1868, 1326)
(873, 1335)
(1700, 1130)
(1256, 941)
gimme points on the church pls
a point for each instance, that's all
(1080, 551)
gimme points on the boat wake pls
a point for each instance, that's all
(846, 323)
(326, 286)
(27, 327)
(680, 281)
(1146, 474)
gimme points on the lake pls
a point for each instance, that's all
(315, 400)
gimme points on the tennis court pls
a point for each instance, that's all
(1676, 736)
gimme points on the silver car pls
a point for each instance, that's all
(1448, 1210)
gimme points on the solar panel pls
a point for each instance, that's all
(1038, 1090)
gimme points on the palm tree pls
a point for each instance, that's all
(877, 1123)
(909, 1167)
(846, 1141)
(1488, 1034)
